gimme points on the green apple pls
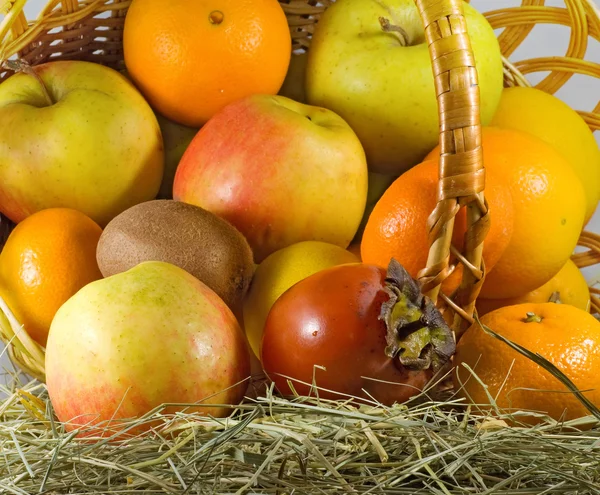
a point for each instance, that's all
(381, 82)
(78, 135)
(176, 139)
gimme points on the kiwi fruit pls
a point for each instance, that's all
(200, 242)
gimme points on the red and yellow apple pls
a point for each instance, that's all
(280, 171)
(129, 343)
(78, 135)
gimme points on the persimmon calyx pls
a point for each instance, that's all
(417, 334)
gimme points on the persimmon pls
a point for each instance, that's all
(357, 331)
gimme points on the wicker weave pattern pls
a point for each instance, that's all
(67, 30)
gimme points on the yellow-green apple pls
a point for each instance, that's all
(131, 342)
(369, 62)
(176, 138)
(280, 171)
(79, 135)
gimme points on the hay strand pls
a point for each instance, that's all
(274, 445)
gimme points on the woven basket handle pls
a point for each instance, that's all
(461, 171)
(14, 20)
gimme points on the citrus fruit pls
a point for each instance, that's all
(566, 336)
(192, 58)
(568, 286)
(278, 272)
(48, 257)
(397, 226)
(548, 210)
(550, 119)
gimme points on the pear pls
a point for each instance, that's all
(126, 344)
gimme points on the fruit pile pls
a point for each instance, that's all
(224, 208)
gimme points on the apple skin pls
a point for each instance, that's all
(98, 149)
(126, 344)
(176, 139)
(280, 171)
(384, 90)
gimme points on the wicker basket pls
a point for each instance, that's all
(92, 30)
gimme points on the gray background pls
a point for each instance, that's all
(581, 92)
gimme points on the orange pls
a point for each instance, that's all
(566, 336)
(549, 205)
(397, 226)
(47, 258)
(190, 58)
(568, 285)
(552, 120)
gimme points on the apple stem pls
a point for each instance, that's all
(25, 68)
(392, 28)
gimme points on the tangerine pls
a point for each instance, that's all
(552, 120)
(397, 226)
(47, 258)
(192, 58)
(549, 206)
(566, 336)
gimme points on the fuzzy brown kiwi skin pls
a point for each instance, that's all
(200, 242)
